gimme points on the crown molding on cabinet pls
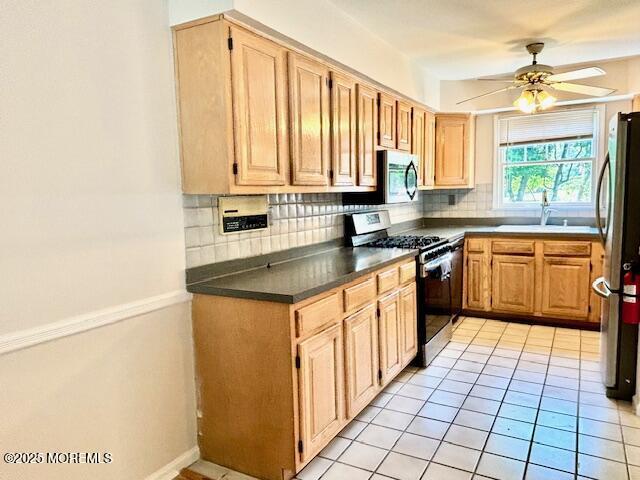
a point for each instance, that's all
(262, 30)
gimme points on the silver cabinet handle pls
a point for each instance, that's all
(600, 288)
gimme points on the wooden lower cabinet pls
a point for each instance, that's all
(321, 388)
(408, 315)
(276, 381)
(513, 283)
(476, 275)
(566, 287)
(546, 278)
(390, 335)
(361, 359)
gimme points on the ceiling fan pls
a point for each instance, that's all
(536, 79)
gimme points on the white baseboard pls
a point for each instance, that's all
(172, 469)
(26, 338)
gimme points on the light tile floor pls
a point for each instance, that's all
(502, 401)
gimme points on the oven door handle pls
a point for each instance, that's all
(434, 265)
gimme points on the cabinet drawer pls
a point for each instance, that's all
(407, 272)
(359, 294)
(520, 247)
(387, 280)
(317, 315)
(574, 249)
(475, 245)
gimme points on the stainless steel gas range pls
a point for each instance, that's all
(439, 265)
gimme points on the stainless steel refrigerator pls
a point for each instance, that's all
(620, 176)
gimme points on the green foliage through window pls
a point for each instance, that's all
(564, 169)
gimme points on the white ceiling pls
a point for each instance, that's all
(460, 39)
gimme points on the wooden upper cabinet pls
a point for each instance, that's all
(454, 150)
(258, 117)
(418, 140)
(389, 330)
(367, 131)
(343, 129)
(513, 283)
(404, 127)
(309, 126)
(408, 323)
(361, 359)
(321, 389)
(387, 121)
(259, 86)
(566, 287)
(429, 164)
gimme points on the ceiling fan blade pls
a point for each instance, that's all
(582, 89)
(510, 87)
(510, 80)
(576, 74)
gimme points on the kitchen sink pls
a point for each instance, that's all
(544, 228)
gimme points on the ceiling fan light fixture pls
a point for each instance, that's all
(536, 79)
(533, 99)
(526, 102)
(545, 99)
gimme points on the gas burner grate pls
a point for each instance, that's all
(404, 241)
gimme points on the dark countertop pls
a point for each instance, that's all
(300, 273)
(451, 232)
(295, 280)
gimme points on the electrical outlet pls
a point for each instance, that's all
(452, 199)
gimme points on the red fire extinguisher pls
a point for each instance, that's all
(630, 298)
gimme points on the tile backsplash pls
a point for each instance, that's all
(478, 203)
(294, 220)
(298, 219)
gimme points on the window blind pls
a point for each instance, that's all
(545, 127)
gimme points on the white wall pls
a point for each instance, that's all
(91, 219)
(322, 26)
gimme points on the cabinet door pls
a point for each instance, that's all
(259, 95)
(361, 359)
(513, 283)
(477, 294)
(321, 389)
(390, 337)
(418, 139)
(343, 129)
(404, 126)
(387, 121)
(566, 287)
(408, 323)
(367, 129)
(453, 154)
(429, 165)
(309, 113)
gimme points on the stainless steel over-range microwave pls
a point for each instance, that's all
(397, 180)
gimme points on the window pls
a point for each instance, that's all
(555, 152)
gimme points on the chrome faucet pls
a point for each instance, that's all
(546, 209)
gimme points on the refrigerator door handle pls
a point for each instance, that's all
(599, 286)
(601, 232)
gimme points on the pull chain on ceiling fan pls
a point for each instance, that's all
(536, 79)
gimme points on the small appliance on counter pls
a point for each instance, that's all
(439, 267)
(397, 180)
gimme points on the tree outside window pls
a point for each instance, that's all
(563, 167)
